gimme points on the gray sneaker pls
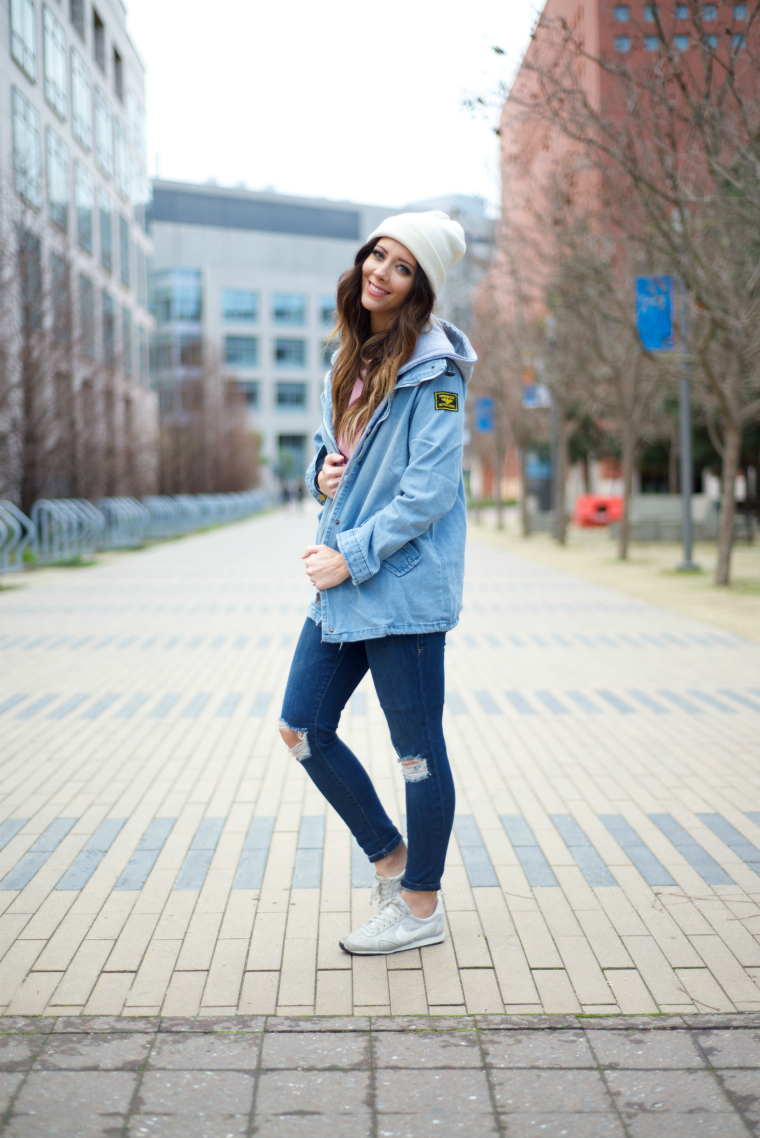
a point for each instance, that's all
(395, 929)
(385, 889)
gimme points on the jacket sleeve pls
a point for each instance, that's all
(317, 463)
(428, 487)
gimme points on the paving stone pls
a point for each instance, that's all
(98, 1051)
(565, 1124)
(327, 1093)
(428, 1049)
(9, 1084)
(686, 1125)
(550, 1092)
(743, 1091)
(734, 1048)
(298, 1051)
(212, 1023)
(18, 1051)
(35, 1025)
(438, 1097)
(103, 1023)
(50, 1101)
(194, 1051)
(660, 1050)
(197, 1104)
(537, 1049)
(681, 1092)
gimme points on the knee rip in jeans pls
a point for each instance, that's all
(300, 749)
(414, 770)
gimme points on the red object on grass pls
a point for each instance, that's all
(597, 510)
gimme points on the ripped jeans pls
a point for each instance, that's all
(407, 672)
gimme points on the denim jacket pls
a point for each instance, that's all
(398, 516)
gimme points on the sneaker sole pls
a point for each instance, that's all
(390, 951)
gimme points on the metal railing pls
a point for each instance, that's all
(63, 530)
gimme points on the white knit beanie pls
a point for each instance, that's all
(435, 240)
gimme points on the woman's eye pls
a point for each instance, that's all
(403, 269)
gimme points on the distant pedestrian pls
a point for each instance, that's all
(388, 564)
(300, 492)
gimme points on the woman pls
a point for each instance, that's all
(388, 563)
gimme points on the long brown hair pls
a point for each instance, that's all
(380, 355)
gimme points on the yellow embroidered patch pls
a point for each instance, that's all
(446, 401)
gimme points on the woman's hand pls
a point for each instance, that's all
(324, 566)
(330, 474)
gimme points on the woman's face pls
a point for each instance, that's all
(387, 278)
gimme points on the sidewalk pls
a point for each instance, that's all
(398, 1078)
(163, 855)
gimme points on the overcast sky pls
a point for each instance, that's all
(338, 99)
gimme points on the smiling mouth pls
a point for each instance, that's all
(375, 291)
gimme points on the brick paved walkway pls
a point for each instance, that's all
(381, 1078)
(162, 854)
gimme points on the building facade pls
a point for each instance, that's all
(74, 188)
(247, 281)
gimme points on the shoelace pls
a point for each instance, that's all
(382, 891)
(395, 910)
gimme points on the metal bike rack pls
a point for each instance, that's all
(17, 532)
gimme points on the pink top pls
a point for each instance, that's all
(347, 446)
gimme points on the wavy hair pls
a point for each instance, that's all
(378, 356)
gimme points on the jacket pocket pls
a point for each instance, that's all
(403, 559)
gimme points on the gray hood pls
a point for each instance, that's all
(442, 341)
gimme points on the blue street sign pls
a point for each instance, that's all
(536, 395)
(654, 313)
(484, 409)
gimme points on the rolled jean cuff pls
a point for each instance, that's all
(434, 888)
(388, 849)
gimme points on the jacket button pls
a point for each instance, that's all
(332, 630)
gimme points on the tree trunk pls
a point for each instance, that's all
(628, 456)
(498, 458)
(732, 447)
(524, 514)
(560, 482)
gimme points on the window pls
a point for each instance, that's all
(250, 391)
(739, 41)
(142, 278)
(711, 42)
(649, 13)
(144, 355)
(81, 100)
(118, 75)
(59, 297)
(98, 40)
(740, 11)
(622, 13)
(190, 350)
(86, 316)
(681, 11)
(126, 341)
(30, 278)
(241, 351)
(177, 296)
(289, 308)
(103, 134)
(58, 179)
(710, 12)
(109, 327)
(24, 36)
(328, 348)
(76, 15)
(27, 159)
(56, 80)
(124, 250)
(622, 43)
(84, 203)
(105, 211)
(239, 306)
(121, 154)
(136, 123)
(327, 311)
(681, 43)
(292, 456)
(652, 43)
(291, 396)
(290, 353)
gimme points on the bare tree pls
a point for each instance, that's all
(674, 143)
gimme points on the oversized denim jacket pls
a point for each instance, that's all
(398, 516)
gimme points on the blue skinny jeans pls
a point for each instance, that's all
(407, 672)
